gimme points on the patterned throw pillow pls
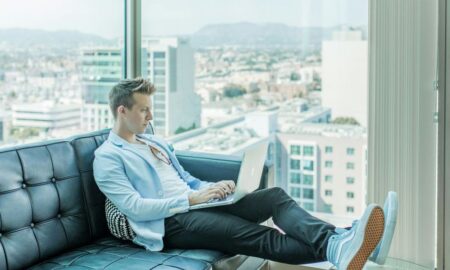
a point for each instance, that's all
(117, 222)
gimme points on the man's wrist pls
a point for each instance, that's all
(191, 199)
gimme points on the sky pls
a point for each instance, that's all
(176, 17)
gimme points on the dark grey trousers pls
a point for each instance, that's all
(235, 229)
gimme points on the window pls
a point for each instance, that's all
(308, 193)
(328, 192)
(159, 106)
(308, 150)
(159, 55)
(158, 123)
(328, 178)
(64, 76)
(350, 165)
(350, 180)
(328, 208)
(229, 80)
(350, 209)
(308, 165)
(159, 80)
(350, 195)
(295, 192)
(295, 149)
(295, 178)
(295, 164)
(307, 180)
(350, 151)
(308, 206)
(158, 64)
(159, 72)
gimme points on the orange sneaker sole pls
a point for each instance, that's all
(372, 236)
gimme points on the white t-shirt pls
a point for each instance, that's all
(172, 184)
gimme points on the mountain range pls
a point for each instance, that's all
(234, 34)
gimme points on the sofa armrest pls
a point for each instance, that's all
(216, 167)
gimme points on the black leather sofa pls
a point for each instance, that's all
(52, 212)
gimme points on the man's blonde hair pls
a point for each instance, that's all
(122, 92)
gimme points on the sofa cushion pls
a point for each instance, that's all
(110, 253)
(41, 204)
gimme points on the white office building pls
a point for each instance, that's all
(46, 115)
(170, 66)
(344, 75)
(324, 166)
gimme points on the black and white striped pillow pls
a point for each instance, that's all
(117, 222)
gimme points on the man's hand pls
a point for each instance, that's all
(218, 190)
(227, 186)
(206, 194)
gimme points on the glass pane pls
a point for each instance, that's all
(295, 150)
(290, 71)
(58, 62)
(308, 206)
(295, 178)
(308, 165)
(308, 151)
(295, 192)
(308, 193)
(308, 179)
(350, 151)
(295, 164)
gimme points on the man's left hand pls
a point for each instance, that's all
(226, 185)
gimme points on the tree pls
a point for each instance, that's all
(294, 76)
(182, 129)
(24, 133)
(233, 90)
(346, 121)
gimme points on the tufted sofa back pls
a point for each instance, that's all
(49, 201)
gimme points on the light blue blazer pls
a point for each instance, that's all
(128, 179)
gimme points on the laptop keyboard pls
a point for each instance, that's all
(229, 197)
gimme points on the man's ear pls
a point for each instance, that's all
(120, 109)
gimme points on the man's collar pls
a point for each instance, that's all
(119, 141)
(116, 139)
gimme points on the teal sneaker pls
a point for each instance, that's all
(390, 210)
(350, 249)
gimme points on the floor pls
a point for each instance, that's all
(390, 264)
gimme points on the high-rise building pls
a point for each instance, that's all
(171, 67)
(101, 70)
(324, 166)
(344, 75)
(167, 62)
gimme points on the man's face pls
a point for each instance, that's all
(138, 117)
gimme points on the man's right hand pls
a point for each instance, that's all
(206, 194)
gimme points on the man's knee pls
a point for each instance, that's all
(277, 191)
(276, 194)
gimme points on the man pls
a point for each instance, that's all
(143, 178)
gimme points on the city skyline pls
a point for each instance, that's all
(177, 17)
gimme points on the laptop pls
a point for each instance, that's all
(249, 177)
